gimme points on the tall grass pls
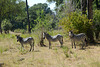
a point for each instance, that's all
(6, 36)
(95, 64)
(3, 49)
(66, 50)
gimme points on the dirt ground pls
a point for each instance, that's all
(13, 56)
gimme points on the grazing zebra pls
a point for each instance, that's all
(53, 38)
(28, 40)
(78, 37)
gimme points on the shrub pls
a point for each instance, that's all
(96, 20)
(6, 25)
(96, 17)
(76, 22)
(20, 31)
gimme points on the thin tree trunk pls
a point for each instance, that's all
(29, 30)
(90, 16)
(90, 9)
(83, 6)
(42, 41)
(0, 28)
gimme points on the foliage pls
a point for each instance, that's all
(10, 8)
(96, 19)
(38, 13)
(20, 31)
(76, 22)
(6, 25)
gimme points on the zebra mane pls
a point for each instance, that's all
(47, 34)
(20, 38)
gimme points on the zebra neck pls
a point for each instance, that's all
(72, 36)
(21, 39)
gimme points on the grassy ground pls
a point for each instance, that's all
(11, 54)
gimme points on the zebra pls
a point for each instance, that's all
(28, 40)
(77, 37)
(53, 38)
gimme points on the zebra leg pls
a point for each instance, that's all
(22, 47)
(74, 45)
(82, 44)
(31, 47)
(49, 45)
(61, 42)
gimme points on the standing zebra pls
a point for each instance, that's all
(28, 40)
(77, 37)
(55, 38)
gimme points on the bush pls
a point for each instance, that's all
(20, 31)
(76, 22)
(96, 20)
(6, 25)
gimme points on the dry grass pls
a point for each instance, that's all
(12, 55)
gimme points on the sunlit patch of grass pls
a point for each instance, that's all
(75, 55)
(3, 49)
(81, 65)
(22, 50)
(95, 64)
(56, 50)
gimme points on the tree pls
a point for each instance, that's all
(83, 6)
(9, 9)
(29, 29)
(90, 16)
(6, 25)
(36, 11)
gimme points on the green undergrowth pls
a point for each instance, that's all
(66, 50)
(6, 36)
(3, 49)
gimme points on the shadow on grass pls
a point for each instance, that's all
(1, 64)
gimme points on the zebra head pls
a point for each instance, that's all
(18, 38)
(44, 35)
(71, 34)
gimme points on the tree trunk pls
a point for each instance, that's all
(83, 6)
(29, 30)
(90, 9)
(0, 28)
(42, 41)
(90, 16)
